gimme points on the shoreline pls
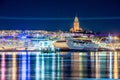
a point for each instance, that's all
(54, 51)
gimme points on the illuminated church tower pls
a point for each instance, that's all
(76, 26)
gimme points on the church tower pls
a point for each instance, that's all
(76, 26)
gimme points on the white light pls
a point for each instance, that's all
(42, 69)
(37, 67)
(110, 69)
(28, 73)
(23, 66)
(58, 67)
(24, 37)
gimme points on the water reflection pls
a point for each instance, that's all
(59, 66)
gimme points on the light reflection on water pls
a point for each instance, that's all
(59, 66)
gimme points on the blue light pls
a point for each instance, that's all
(42, 68)
(23, 66)
(28, 65)
(24, 37)
(37, 67)
(53, 66)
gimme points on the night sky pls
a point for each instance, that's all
(54, 15)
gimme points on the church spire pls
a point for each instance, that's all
(76, 26)
(76, 19)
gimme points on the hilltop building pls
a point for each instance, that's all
(76, 26)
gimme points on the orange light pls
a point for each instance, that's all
(115, 66)
(116, 38)
(14, 66)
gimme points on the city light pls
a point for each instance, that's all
(3, 67)
(14, 66)
(47, 42)
(23, 66)
(116, 38)
(59, 39)
(37, 66)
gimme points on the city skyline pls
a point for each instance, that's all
(59, 15)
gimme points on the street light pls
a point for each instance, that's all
(116, 38)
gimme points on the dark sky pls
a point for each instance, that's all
(96, 15)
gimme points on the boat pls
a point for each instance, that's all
(61, 45)
(82, 45)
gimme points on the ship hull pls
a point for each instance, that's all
(82, 47)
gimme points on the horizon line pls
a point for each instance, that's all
(57, 18)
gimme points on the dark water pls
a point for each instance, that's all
(59, 66)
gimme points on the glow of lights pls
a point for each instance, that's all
(14, 66)
(23, 74)
(3, 67)
(28, 66)
(97, 66)
(102, 63)
(58, 67)
(110, 38)
(92, 63)
(115, 66)
(80, 65)
(110, 69)
(42, 74)
(37, 35)
(53, 66)
(24, 37)
(37, 67)
(62, 68)
(115, 38)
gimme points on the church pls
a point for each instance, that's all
(76, 26)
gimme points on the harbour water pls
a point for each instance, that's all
(59, 66)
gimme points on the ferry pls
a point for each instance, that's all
(61, 45)
(82, 45)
